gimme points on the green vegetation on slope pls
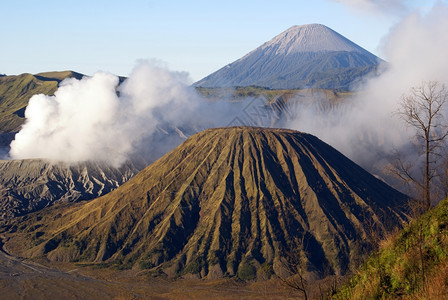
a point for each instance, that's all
(412, 264)
(16, 91)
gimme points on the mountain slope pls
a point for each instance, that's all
(32, 184)
(229, 201)
(395, 271)
(308, 56)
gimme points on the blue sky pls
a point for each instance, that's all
(195, 36)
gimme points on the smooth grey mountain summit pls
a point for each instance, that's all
(307, 56)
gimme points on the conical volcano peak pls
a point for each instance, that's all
(306, 56)
(225, 201)
(311, 38)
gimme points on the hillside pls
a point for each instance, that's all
(227, 202)
(32, 184)
(241, 93)
(276, 108)
(307, 56)
(413, 264)
(16, 91)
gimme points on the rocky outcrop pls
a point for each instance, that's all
(32, 184)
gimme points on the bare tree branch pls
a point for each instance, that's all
(422, 110)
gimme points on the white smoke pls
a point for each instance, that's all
(98, 119)
(70, 125)
(417, 47)
(89, 119)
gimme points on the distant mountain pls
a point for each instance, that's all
(236, 201)
(308, 56)
(32, 184)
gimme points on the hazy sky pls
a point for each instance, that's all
(195, 36)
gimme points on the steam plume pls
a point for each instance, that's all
(88, 120)
(92, 119)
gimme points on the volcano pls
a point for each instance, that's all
(226, 202)
(307, 56)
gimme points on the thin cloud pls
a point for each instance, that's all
(376, 6)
